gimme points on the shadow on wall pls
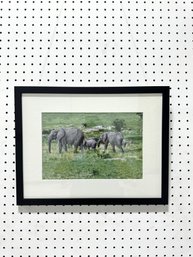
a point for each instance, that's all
(94, 209)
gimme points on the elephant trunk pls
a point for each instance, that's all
(49, 144)
(83, 144)
(99, 142)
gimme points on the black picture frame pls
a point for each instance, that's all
(114, 92)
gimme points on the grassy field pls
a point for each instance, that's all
(94, 164)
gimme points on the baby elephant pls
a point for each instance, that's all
(90, 144)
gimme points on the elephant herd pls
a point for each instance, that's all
(75, 137)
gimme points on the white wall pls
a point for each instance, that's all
(98, 43)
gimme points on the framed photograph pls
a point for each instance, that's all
(96, 145)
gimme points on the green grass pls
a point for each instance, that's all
(93, 164)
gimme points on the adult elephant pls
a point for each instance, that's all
(114, 138)
(66, 136)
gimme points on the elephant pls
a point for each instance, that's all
(126, 143)
(66, 136)
(114, 138)
(90, 143)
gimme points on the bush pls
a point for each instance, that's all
(119, 124)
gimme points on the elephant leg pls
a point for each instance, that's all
(65, 147)
(81, 148)
(113, 146)
(60, 146)
(106, 145)
(63, 144)
(75, 149)
(121, 148)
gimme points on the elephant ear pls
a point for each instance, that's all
(61, 134)
(105, 137)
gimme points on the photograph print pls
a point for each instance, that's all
(92, 145)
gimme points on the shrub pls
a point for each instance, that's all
(119, 124)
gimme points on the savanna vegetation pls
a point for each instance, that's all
(94, 164)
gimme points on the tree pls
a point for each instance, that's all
(119, 124)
